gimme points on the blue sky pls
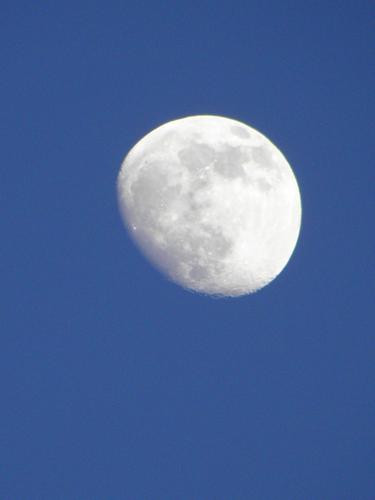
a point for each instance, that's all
(117, 384)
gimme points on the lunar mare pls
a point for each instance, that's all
(212, 203)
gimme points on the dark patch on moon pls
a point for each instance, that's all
(262, 156)
(151, 193)
(198, 273)
(241, 132)
(196, 156)
(263, 185)
(214, 243)
(229, 163)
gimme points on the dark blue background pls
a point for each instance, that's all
(116, 384)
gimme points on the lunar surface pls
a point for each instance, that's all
(212, 203)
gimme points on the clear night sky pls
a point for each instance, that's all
(117, 384)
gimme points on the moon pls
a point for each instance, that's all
(212, 203)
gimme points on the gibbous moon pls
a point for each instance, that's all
(212, 203)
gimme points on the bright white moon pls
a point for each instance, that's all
(212, 203)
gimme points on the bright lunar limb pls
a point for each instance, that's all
(212, 203)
